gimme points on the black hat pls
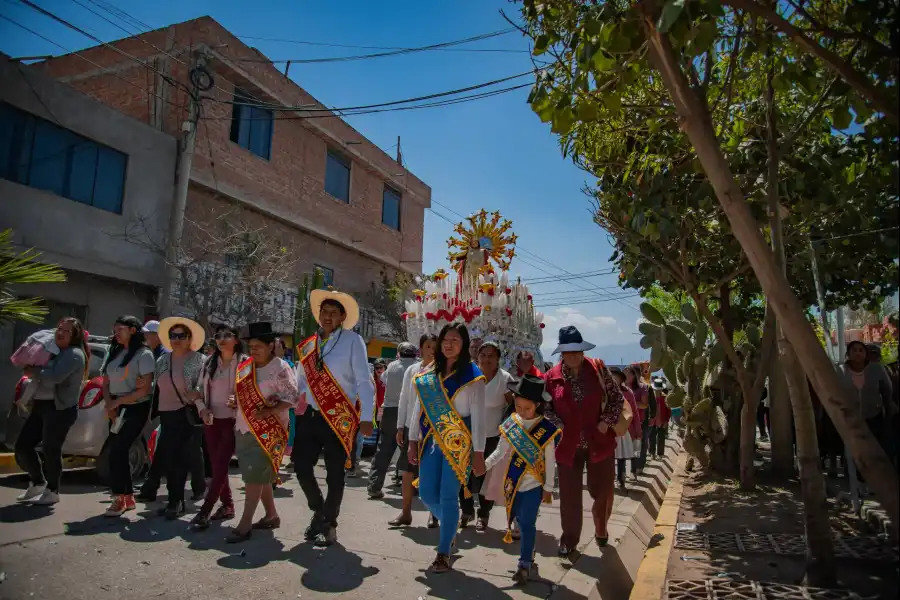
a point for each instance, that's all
(570, 340)
(259, 331)
(531, 388)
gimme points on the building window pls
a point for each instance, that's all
(251, 127)
(390, 208)
(337, 176)
(42, 155)
(328, 275)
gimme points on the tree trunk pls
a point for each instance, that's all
(781, 421)
(748, 443)
(820, 564)
(694, 120)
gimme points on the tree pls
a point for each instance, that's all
(22, 268)
(384, 302)
(230, 269)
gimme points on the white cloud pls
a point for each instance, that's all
(566, 315)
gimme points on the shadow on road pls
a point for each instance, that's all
(22, 513)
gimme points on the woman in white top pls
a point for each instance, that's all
(438, 481)
(427, 346)
(497, 398)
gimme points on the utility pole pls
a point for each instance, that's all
(399, 155)
(199, 78)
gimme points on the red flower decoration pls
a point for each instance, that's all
(530, 298)
(491, 292)
(508, 291)
(542, 325)
(404, 316)
(508, 311)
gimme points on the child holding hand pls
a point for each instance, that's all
(522, 469)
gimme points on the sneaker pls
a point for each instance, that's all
(433, 522)
(312, 530)
(521, 576)
(117, 508)
(49, 497)
(326, 537)
(464, 520)
(32, 493)
(129, 502)
(481, 525)
(373, 495)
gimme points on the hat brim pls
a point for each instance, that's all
(513, 386)
(582, 347)
(198, 334)
(351, 307)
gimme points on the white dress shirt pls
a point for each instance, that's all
(344, 353)
(469, 402)
(495, 392)
(408, 394)
(504, 450)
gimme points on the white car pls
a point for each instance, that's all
(87, 437)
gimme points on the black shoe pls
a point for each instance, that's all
(315, 525)
(172, 511)
(563, 551)
(236, 537)
(197, 496)
(326, 538)
(200, 522)
(433, 523)
(520, 576)
(143, 496)
(464, 520)
(373, 495)
(602, 541)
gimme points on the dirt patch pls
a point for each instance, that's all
(717, 505)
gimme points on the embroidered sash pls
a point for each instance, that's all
(334, 405)
(269, 432)
(440, 420)
(528, 457)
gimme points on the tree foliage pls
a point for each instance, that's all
(22, 268)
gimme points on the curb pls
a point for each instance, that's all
(8, 465)
(650, 582)
(609, 573)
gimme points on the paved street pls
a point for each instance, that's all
(73, 552)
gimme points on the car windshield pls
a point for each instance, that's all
(98, 354)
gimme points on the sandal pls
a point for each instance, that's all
(223, 513)
(264, 523)
(401, 521)
(441, 564)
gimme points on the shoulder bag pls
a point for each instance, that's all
(626, 416)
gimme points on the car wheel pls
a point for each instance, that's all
(137, 457)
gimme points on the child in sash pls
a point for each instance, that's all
(521, 470)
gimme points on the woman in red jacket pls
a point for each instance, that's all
(588, 402)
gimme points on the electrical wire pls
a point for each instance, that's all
(857, 234)
(589, 301)
(356, 47)
(332, 59)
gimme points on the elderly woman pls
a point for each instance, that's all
(448, 421)
(178, 388)
(265, 389)
(53, 413)
(588, 402)
(868, 382)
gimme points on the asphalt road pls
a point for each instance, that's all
(71, 552)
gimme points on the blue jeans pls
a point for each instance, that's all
(525, 511)
(359, 445)
(292, 426)
(439, 491)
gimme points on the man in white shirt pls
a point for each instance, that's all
(328, 425)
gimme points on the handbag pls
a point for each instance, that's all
(192, 414)
(626, 416)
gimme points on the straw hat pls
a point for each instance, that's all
(351, 308)
(198, 334)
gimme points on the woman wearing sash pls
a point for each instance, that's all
(522, 468)
(265, 388)
(447, 439)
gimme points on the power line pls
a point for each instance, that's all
(858, 233)
(332, 59)
(357, 47)
(589, 301)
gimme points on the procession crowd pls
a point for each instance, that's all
(470, 434)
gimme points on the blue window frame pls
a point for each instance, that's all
(45, 156)
(390, 208)
(251, 127)
(337, 176)
(327, 275)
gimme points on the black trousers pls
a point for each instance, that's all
(46, 426)
(387, 445)
(620, 468)
(179, 452)
(314, 437)
(657, 441)
(136, 416)
(467, 505)
(762, 420)
(197, 463)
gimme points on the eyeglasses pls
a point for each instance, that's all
(224, 335)
(178, 336)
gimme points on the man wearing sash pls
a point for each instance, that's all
(522, 468)
(446, 435)
(332, 375)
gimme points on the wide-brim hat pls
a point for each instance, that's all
(198, 334)
(261, 331)
(531, 388)
(351, 308)
(570, 340)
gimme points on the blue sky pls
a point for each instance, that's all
(492, 153)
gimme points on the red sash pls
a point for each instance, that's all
(269, 432)
(334, 405)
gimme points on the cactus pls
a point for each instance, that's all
(304, 321)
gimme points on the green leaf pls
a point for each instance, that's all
(651, 314)
(540, 44)
(586, 110)
(706, 34)
(714, 7)
(677, 340)
(657, 356)
(603, 62)
(562, 120)
(841, 117)
(669, 369)
(670, 13)
(648, 341)
(613, 103)
(687, 310)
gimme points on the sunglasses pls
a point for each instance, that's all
(224, 335)
(178, 336)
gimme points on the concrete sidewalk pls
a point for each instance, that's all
(70, 551)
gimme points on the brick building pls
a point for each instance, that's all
(331, 197)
